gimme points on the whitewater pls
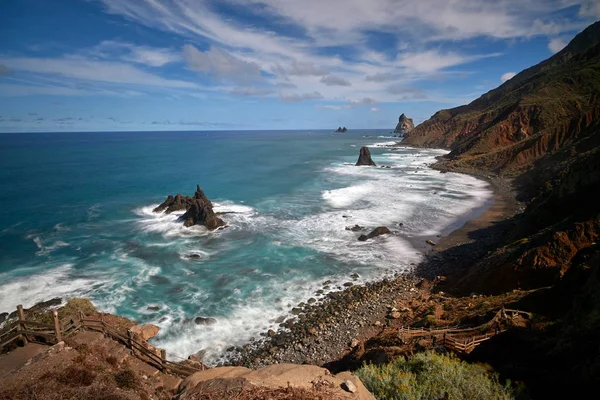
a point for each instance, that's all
(287, 198)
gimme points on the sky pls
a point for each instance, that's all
(139, 65)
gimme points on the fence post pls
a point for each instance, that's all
(20, 325)
(56, 326)
(80, 314)
(102, 323)
(163, 355)
(130, 340)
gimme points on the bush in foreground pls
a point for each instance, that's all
(432, 376)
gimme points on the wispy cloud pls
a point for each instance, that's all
(220, 64)
(507, 76)
(297, 97)
(86, 69)
(557, 44)
(332, 80)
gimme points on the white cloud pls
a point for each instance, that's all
(296, 97)
(81, 68)
(296, 68)
(366, 101)
(14, 90)
(332, 80)
(252, 91)
(557, 44)
(507, 76)
(221, 64)
(432, 60)
(150, 56)
(381, 77)
(331, 107)
(375, 109)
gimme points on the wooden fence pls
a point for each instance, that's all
(31, 331)
(453, 337)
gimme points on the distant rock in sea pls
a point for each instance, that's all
(405, 125)
(198, 209)
(380, 230)
(340, 129)
(365, 157)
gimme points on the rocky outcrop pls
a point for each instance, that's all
(198, 209)
(340, 129)
(306, 381)
(364, 157)
(145, 331)
(405, 125)
(381, 230)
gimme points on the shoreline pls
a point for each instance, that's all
(327, 331)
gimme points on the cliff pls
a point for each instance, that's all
(542, 130)
(541, 110)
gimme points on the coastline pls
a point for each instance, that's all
(327, 332)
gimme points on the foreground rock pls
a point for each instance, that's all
(365, 157)
(198, 209)
(145, 331)
(405, 125)
(274, 381)
(380, 230)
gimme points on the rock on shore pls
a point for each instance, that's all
(365, 157)
(198, 209)
(380, 230)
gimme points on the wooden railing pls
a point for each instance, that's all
(453, 337)
(28, 331)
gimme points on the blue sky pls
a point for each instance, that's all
(102, 65)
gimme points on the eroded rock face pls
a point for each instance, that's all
(232, 381)
(198, 209)
(380, 230)
(405, 125)
(365, 157)
(145, 331)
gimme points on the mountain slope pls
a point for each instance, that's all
(542, 130)
(539, 111)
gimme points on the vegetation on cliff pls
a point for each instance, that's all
(432, 376)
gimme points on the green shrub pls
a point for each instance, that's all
(432, 376)
(75, 305)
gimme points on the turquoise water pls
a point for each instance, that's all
(76, 220)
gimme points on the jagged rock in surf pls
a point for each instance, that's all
(405, 125)
(198, 209)
(380, 230)
(365, 157)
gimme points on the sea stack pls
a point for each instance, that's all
(198, 209)
(365, 157)
(405, 125)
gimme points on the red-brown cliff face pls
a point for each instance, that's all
(541, 128)
(537, 112)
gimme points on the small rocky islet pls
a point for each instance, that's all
(198, 209)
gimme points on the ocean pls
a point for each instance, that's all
(76, 220)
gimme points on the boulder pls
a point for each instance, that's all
(381, 230)
(198, 209)
(205, 321)
(430, 242)
(364, 157)
(145, 331)
(405, 125)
